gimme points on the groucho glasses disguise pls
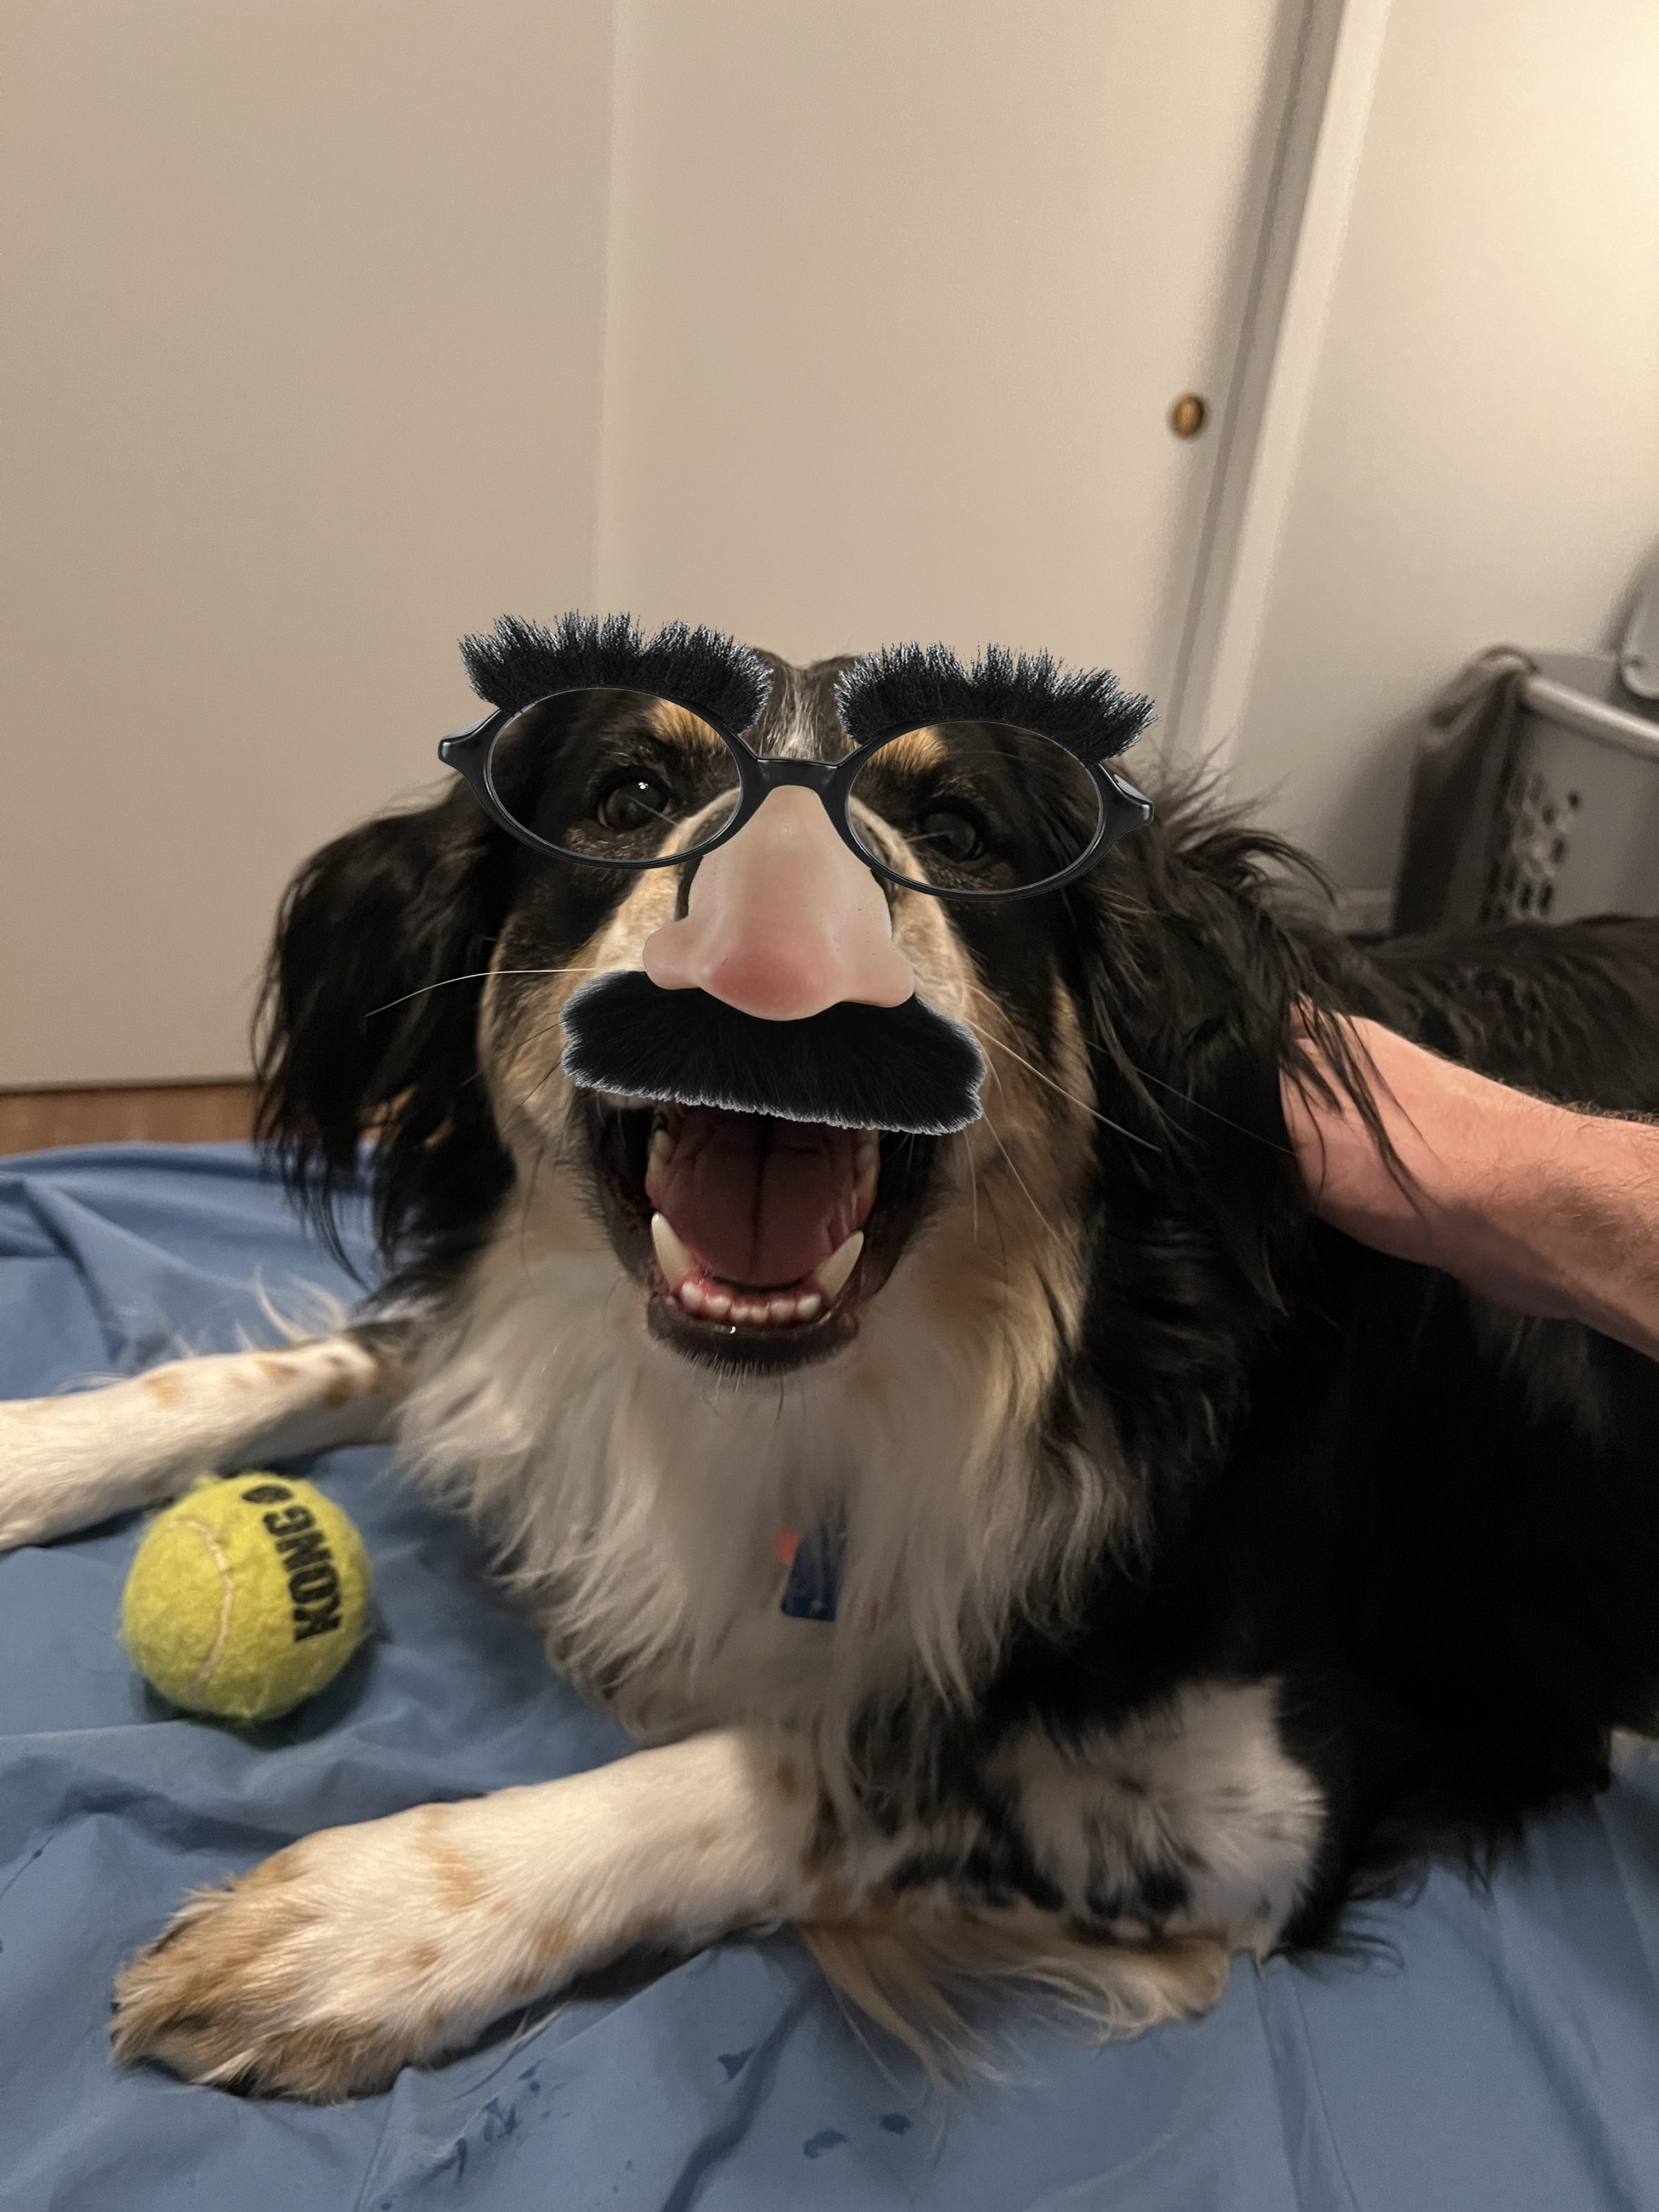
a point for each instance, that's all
(992, 776)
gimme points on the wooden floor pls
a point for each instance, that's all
(161, 1112)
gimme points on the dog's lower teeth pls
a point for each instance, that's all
(780, 1310)
(773, 1309)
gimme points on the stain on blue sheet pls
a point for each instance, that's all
(1506, 2053)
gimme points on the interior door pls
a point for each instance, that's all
(900, 299)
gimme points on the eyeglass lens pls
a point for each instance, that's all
(980, 806)
(615, 775)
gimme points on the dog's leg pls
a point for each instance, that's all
(1116, 1869)
(360, 1950)
(1119, 1876)
(69, 1461)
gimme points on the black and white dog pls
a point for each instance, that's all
(1196, 1567)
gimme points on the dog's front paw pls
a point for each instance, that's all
(318, 1974)
(362, 1950)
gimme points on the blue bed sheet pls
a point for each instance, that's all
(1494, 2052)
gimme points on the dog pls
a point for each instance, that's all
(1087, 1566)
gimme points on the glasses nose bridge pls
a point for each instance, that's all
(773, 772)
(781, 772)
(786, 772)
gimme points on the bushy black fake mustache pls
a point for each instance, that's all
(906, 1068)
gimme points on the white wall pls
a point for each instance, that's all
(341, 325)
(325, 301)
(1481, 460)
(900, 296)
(301, 378)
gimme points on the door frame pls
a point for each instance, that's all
(1325, 86)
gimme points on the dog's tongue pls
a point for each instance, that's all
(757, 1201)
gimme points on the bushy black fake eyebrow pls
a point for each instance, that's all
(906, 687)
(519, 662)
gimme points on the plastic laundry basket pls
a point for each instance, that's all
(1574, 828)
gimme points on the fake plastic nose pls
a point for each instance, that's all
(783, 921)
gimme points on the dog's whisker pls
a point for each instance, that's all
(985, 1037)
(1016, 1176)
(475, 976)
(1175, 1092)
(529, 1207)
(1005, 1319)
(540, 1085)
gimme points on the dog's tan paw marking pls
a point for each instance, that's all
(308, 1977)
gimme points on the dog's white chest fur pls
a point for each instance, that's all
(644, 1497)
(642, 1502)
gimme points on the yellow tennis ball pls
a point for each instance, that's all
(246, 1596)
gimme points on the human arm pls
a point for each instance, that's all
(1541, 1208)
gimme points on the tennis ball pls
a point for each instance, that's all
(246, 1596)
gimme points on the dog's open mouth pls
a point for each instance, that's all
(759, 1240)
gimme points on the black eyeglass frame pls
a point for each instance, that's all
(470, 751)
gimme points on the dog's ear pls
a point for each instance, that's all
(1192, 982)
(363, 1026)
(1201, 977)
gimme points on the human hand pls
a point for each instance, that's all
(1541, 1209)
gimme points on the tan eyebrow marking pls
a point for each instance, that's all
(914, 754)
(677, 724)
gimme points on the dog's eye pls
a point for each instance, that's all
(952, 832)
(632, 802)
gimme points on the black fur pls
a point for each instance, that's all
(1434, 1524)
(903, 1068)
(1434, 1521)
(905, 687)
(370, 1019)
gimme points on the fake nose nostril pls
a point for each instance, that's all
(783, 921)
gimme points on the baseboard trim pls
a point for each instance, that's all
(1364, 914)
(37, 1119)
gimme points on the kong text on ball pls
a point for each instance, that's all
(246, 1596)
